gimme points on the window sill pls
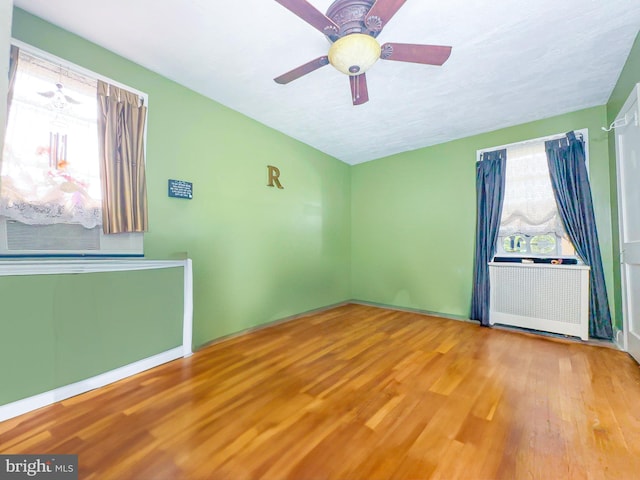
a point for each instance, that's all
(534, 259)
(538, 265)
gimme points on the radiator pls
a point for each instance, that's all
(549, 298)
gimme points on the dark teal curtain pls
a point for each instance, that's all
(490, 176)
(570, 182)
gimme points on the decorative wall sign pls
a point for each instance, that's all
(180, 189)
(274, 173)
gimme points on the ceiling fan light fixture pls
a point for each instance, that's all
(354, 54)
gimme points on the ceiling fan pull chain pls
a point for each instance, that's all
(356, 88)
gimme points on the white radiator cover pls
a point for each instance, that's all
(549, 298)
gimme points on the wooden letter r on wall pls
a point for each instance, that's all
(274, 173)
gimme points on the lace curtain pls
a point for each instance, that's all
(529, 204)
(50, 171)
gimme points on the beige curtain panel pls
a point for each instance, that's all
(121, 120)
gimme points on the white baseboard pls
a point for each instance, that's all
(419, 311)
(25, 405)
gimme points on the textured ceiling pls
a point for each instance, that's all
(513, 61)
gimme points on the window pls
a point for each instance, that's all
(50, 182)
(530, 225)
(50, 172)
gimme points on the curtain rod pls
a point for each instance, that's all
(581, 134)
(37, 52)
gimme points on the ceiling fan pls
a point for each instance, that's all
(352, 27)
(59, 101)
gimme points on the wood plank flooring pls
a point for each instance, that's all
(357, 392)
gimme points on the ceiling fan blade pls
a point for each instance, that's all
(359, 92)
(408, 52)
(381, 12)
(311, 15)
(302, 70)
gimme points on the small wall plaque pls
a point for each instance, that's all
(180, 189)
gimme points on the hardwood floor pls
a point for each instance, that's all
(357, 392)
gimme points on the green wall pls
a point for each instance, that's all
(259, 253)
(60, 329)
(628, 78)
(397, 231)
(413, 216)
